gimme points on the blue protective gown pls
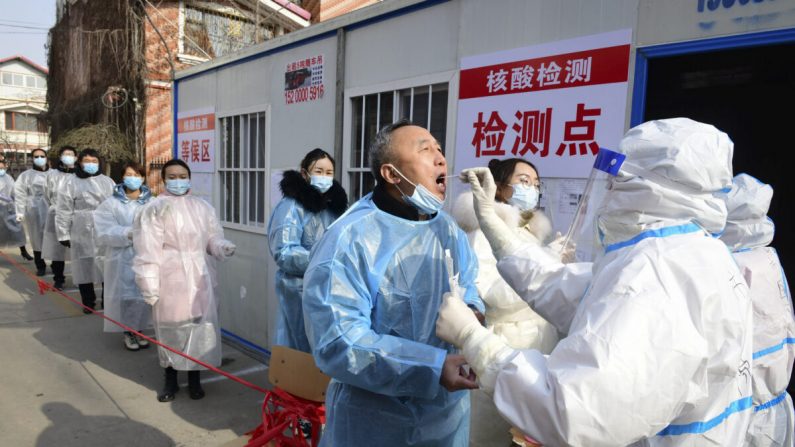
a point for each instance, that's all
(292, 231)
(371, 297)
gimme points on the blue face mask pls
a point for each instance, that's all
(68, 160)
(133, 183)
(40, 161)
(321, 182)
(177, 186)
(422, 199)
(524, 197)
(91, 168)
(2, 172)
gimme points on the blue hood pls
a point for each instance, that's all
(118, 192)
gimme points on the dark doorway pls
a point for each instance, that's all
(748, 93)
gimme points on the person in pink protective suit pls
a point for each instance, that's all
(177, 239)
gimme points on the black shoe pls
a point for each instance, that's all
(87, 310)
(171, 387)
(41, 271)
(194, 385)
(24, 253)
(57, 285)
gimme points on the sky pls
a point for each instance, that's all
(23, 28)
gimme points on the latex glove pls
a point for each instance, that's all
(151, 299)
(497, 232)
(66, 244)
(566, 253)
(20, 217)
(485, 352)
(228, 248)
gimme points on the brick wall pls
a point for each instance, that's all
(323, 10)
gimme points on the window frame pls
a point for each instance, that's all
(217, 190)
(450, 77)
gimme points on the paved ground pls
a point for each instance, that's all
(65, 382)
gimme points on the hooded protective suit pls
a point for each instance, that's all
(658, 345)
(748, 233)
(113, 227)
(11, 232)
(177, 240)
(29, 198)
(74, 222)
(298, 221)
(371, 295)
(507, 314)
(51, 249)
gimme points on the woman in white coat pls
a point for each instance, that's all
(51, 249)
(517, 199)
(74, 221)
(11, 233)
(113, 229)
(31, 205)
(177, 239)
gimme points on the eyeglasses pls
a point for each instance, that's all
(527, 181)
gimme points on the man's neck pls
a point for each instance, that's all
(389, 200)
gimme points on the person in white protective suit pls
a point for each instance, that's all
(31, 205)
(11, 232)
(507, 315)
(74, 221)
(177, 239)
(748, 233)
(51, 249)
(371, 293)
(658, 330)
(312, 201)
(113, 229)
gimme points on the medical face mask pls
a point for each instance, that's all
(2, 172)
(321, 182)
(422, 199)
(133, 183)
(40, 161)
(524, 197)
(91, 168)
(178, 187)
(68, 160)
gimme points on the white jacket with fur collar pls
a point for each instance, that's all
(507, 314)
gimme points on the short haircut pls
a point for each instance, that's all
(313, 156)
(66, 148)
(135, 166)
(381, 147)
(38, 149)
(173, 162)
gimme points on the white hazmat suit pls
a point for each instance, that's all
(54, 183)
(31, 204)
(113, 227)
(11, 232)
(658, 345)
(748, 233)
(74, 222)
(177, 240)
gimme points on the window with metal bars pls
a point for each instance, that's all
(242, 174)
(425, 106)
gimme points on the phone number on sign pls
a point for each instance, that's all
(304, 94)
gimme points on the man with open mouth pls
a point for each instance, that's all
(371, 295)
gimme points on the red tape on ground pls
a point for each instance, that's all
(44, 287)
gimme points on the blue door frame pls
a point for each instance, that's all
(643, 54)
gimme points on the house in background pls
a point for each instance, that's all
(23, 89)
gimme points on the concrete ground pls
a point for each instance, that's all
(66, 382)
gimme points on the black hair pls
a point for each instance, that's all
(173, 162)
(135, 166)
(87, 152)
(59, 164)
(502, 170)
(381, 147)
(313, 156)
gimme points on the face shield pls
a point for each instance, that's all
(607, 165)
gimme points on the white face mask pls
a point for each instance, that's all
(524, 197)
(321, 182)
(425, 201)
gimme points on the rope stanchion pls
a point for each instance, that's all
(45, 287)
(282, 411)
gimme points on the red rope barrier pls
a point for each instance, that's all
(282, 411)
(44, 287)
